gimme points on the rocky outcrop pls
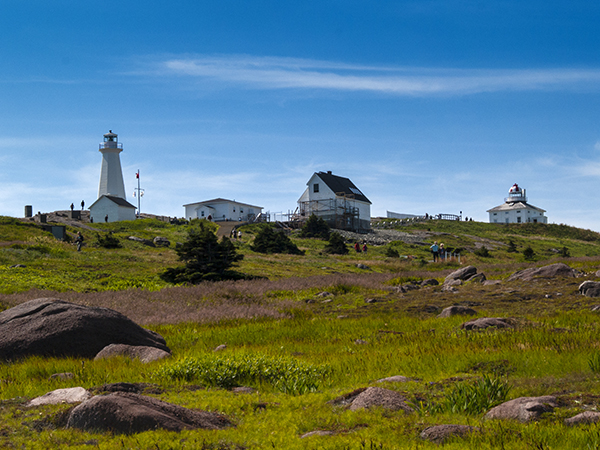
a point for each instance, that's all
(160, 241)
(147, 242)
(438, 434)
(457, 310)
(523, 409)
(127, 413)
(584, 418)
(144, 353)
(590, 288)
(551, 271)
(462, 274)
(53, 327)
(380, 397)
(486, 322)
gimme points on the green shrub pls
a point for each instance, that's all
(391, 252)
(528, 253)
(483, 252)
(315, 227)
(286, 375)
(594, 362)
(336, 245)
(107, 241)
(268, 240)
(476, 398)
(564, 252)
(512, 248)
(206, 259)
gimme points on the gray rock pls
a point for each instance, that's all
(62, 376)
(477, 278)
(430, 282)
(379, 397)
(597, 273)
(491, 282)
(583, 418)
(457, 310)
(161, 241)
(461, 274)
(127, 413)
(220, 348)
(363, 267)
(523, 409)
(450, 289)
(317, 433)
(438, 434)
(143, 353)
(53, 327)
(486, 322)
(590, 288)
(58, 396)
(147, 242)
(551, 271)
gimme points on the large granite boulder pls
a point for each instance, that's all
(583, 418)
(457, 310)
(53, 327)
(551, 271)
(127, 413)
(60, 396)
(461, 274)
(142, 352)
(379, 397)
(486, 322)
(590, 288)
(523, 409)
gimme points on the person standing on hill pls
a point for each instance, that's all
(435, 251)
(82, 204)
(79, 240)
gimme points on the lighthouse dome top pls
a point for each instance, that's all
(111, 142)
(516, 194)
(514, 189)
(110, 136)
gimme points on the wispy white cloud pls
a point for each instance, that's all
(289, 73)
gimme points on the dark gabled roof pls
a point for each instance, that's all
(342, 185)
(119, 201)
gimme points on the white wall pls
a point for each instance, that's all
(104, 206)
(525, 215)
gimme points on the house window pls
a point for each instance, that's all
(518, 220)
(316, 187)
(202, 214)
(234, 209)
(241, 210)
(518, 212)
(495, 214)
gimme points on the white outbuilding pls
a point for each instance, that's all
(337, 201)
(221, 209)
(111, 205)
(515, 209)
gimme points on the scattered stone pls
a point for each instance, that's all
(371, 300)
(430, 282)
(58, 396)
(127, 413)
(324, 294)
(523, 409)
(584, 418)
(491, 282)
(596, 308)
(147, 242)
(143, 353)
(363, 267)
(379, 397)
(438, 434)
(62, 376)
(220, 348)
(360, 342)
(454, 283)
(450, 289)
(553, 270)
(17, 266)
(53, 327)
(461, 274)
(410, 287)
(486, 322)
(161, 241)
(395, 379)
(597, 273)
(317, 433)
(590, 288)
(457, 310)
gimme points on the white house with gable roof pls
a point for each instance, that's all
(337, 200)
(220, 209)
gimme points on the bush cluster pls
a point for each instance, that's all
(315, 227)
(268, 240)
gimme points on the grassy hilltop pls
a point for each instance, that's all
(310, 328)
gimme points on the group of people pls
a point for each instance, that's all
(358, 248)
(236, 234)
(438, 251)
(82, 205)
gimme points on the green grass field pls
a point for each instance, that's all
(299, 349)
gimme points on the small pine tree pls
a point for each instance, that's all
(107, 241)
(205, 258)
(512, 248)
(483, 252)
(315, 227)
(564, 252)
(270, 241)
(391, 252)
(336, 245)
(528, 253)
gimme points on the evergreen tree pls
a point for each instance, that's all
(270, 241)
(315, 227)
(528, 253)
(336, 245)
(205, 258)
(512, 248)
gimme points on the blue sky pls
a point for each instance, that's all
(428, 106)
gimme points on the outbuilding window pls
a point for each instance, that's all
(316, 187)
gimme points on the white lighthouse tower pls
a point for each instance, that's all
(111, 205)
(111, 175)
